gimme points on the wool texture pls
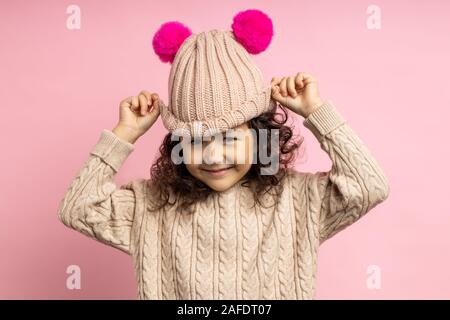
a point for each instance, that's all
(226, 249)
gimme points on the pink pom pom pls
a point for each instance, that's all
(253, 29)
(168, 39)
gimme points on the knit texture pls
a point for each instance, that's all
(213, 86)
(226, 250)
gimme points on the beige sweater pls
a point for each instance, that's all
(227, 250)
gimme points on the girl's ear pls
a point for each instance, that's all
(253, 29)
(168, 39)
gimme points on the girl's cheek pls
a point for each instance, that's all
(243, 151)
(192, 154)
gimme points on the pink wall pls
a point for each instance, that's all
(59, 88)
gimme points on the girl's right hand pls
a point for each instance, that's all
(137, 115)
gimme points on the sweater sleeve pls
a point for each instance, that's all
(354, 185)
(93, 205)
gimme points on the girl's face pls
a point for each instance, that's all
(222, 160)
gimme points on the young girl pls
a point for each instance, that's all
(227, 226)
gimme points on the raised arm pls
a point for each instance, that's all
(93, 205)
(354, 185)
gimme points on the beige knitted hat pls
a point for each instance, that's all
(213, 84)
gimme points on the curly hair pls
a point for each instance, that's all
(175, 179)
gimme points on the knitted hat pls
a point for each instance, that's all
(213, 84)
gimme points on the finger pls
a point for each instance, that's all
(283, 89)
(154, 98)
(308, 78)
(156, 107)
(155, 112)
(125, 103)
(276, 93)
(275, 81)
(291, 87)
(147, 94)
(134, 103)
(143, 103)
(299, 81)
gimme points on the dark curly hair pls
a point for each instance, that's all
(174, 181)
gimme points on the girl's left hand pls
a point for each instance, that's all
(299, 93)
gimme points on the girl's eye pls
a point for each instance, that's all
(225, 139)
(196, 141)
(231, 139)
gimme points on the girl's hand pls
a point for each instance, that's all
(299, 93)
(137, 115)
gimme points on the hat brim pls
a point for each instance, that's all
(234, 117)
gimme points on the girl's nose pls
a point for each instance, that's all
(213, 152)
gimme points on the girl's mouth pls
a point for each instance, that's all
(218, 172)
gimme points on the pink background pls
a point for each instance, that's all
(59, 88)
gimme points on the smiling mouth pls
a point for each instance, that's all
(218, 170)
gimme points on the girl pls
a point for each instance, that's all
(224, 227)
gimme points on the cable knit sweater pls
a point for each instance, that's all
(226, 249)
